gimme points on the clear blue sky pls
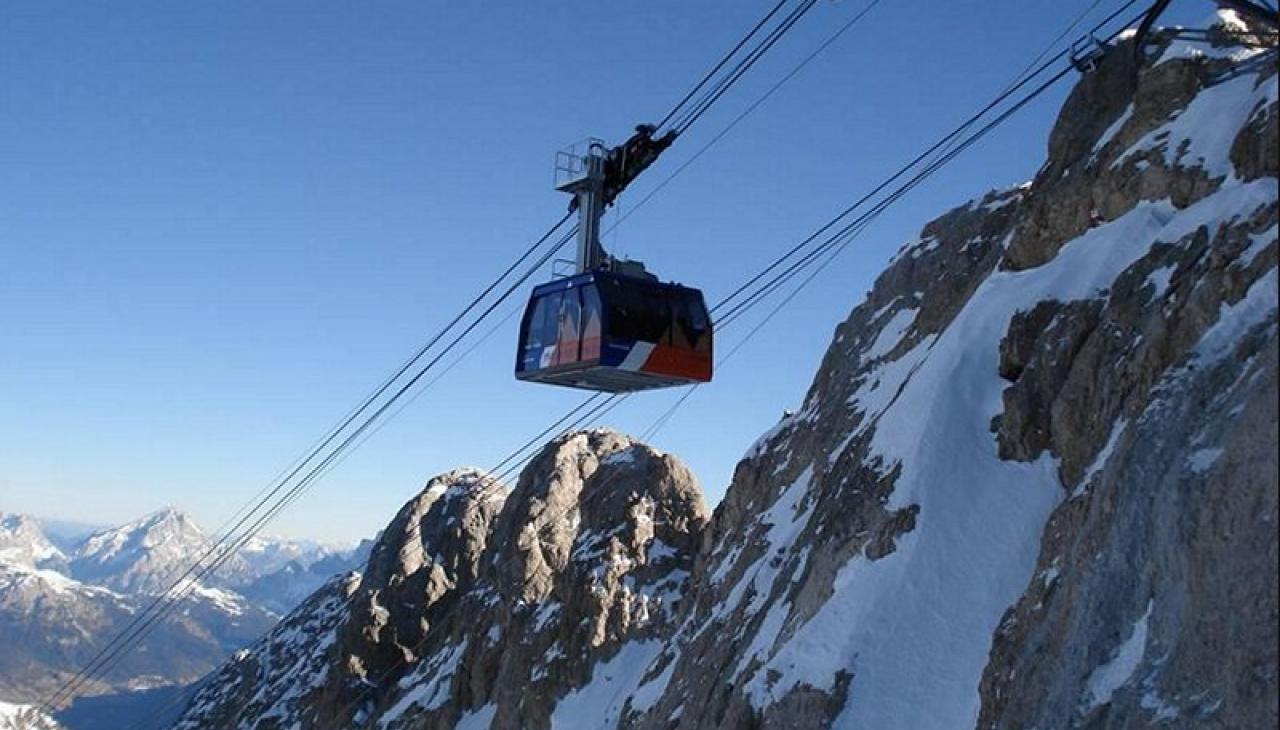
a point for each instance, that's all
(221, 224)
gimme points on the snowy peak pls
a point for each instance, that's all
(165, 528)
(23, 542)
(55, 613)
(54, 625)
(265, 554)
(146, 555)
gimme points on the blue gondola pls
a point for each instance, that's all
(601, 330)
(612, 326)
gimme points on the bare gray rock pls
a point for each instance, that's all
(476, 599)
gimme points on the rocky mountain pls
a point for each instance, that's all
(57, 611)
(25, 717)
(148, 554)
(53, 625)
(1033, 484)
(23, 542)
(471, 590)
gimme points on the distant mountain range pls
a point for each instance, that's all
(64, 595)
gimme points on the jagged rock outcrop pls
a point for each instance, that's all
(583, 572)
(1033, 483)
(478, 603)
(426, 559)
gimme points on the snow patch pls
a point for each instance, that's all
(429, 694)
(1258, 243)
(1104, 455)
(1155, 704)
(1202, 133)
(1203, 460)
(1115, 127)
(621, 456)
(1257, 306)
(599, 703)
(891, 334)
(1106, 679)
(1159, 279)
(480, 719)
(648, 693)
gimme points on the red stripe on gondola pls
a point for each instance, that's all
(679, 362)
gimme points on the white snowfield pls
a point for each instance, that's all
(25, 717)
(23, 542)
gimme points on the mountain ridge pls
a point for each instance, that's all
(58, 608)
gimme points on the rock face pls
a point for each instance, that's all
(1033, 484)
(476, 603)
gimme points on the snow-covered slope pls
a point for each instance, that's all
(872, 546)
(25, 717)
(52, 625)
(56, 611)
(265, 555)
(148, 554)
(23, 542)
(1033, 484)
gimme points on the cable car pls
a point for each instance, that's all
(611, 326)
(601, 330)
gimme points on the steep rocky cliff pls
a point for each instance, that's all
(1033, 484)
(479, 604)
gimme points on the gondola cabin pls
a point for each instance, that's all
(602, 330)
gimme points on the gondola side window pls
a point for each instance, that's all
(638, 312)
(658, 320)
(567, 332)
(686, 328)
(544, 325)
(591, 318)
(623, 316)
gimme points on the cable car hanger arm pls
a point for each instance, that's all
(625, 162)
